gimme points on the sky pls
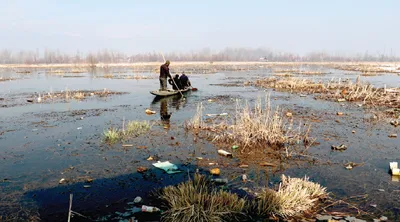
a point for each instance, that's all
(134, 26)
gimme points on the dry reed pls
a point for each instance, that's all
(336, 89)
(250, 128)
(199, 200)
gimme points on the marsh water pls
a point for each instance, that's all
(41, 143)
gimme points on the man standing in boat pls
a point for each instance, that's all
(164, 73)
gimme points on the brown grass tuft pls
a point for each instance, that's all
(199, 200)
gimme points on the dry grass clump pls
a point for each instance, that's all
(250, 127)
(133, 129)
(294, 196)
(310, 73)
(197, 120)
(336, 89)
(365, 68)
(199, 200)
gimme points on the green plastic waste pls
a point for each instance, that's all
(235, 147)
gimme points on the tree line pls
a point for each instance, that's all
(229, 54)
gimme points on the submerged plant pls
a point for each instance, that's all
(199, 200)
(136, 128)
(133, 129)
(112, 135)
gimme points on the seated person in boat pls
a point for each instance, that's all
(184, 80)
(177, 82)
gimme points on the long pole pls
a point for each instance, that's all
(172, 78)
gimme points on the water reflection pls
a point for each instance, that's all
(166, 102)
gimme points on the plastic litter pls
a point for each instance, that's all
(220, 180)
(62, 181)
(215, 171)
(79, 128)
(149, 209)
(150, 112)
(394, 167)
(141, 169)
(221, 114)
(340, 147)
(394, 135)
(235, 147)
(341, 100)
(167, 167)
(225, 153)
(244, 178)
(137, 200)
(394, 122)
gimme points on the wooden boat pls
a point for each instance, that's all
(169, 92)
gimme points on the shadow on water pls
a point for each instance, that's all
(105, 196)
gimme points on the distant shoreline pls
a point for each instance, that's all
(139, 64)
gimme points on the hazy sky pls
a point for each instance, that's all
(133, 26)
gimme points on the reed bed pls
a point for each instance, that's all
(250, 127)
(365, 68)
(348, 90)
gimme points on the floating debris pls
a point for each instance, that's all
(267, 164)
(63, 180)
(394, 168)
(394, 135)
(150, 209)
(222, 114)
(150, 112)
(350, 165)
(127, 145)
(224, 153)
(215, 171)
(220, 180)
(137, 200)
(288, 114)
(339, 113)
(235, 147)
(150, 158)
(340, 147)
(244, 178)
(167, 167)
(141, 169)
(341, 100)
(394, 123)
(243, 166)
